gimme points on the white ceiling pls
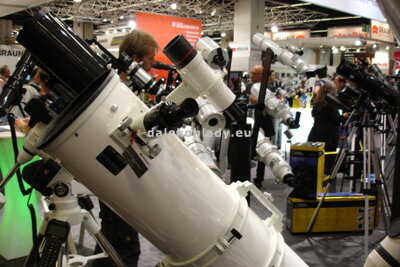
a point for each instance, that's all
(11, 6)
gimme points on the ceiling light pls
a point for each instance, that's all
(335, 50)
(121, 17)
(107, 32)
(174, 6)
(223, 34)
(104, 20)
(321, 46)
(274, 28)
(213, 12)
(115, 31)
(77, 1)
(132, 24)
(387, 47)
(357, 42)
(375, 46)
(342, 48)
(123, 30)
(358, 50)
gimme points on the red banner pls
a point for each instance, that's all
(397, 58)
(165, 28)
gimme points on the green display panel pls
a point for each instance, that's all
(15, 222)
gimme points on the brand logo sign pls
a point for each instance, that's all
(347, 32)
(381, 31)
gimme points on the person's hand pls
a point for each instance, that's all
(21, 125)
(252, 99)
(346, 115)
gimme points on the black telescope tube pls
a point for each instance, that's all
(12, 91)
(61, 51)
(180, 51)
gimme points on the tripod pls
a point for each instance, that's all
(369, 156)
(63, 212)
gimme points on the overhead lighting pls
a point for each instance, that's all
(342, 48)
(132, 24)
(123, 30)
(121, 17)
(77, 1)
(335, 50)
(375, 46)
(274, 28)
(359, 42)
(104, 20)
(115, 31)
(387, 47)
(321, 46)
(213, 12)
(107, 32)
(174, 6)
(223, 34)
(358, 50)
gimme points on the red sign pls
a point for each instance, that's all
(397, 59)
(165, 28)
(375, 29)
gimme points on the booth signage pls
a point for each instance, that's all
(10, 54)
(347, 32)
(288, 35)
(397, 58)
(381, 31)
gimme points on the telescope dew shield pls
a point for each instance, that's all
(200, 78)
(371, 84)
(61, 51)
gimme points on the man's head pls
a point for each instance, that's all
(339, 82)
(5, 71)
(141, 46)
(271, 76)
(256, 74)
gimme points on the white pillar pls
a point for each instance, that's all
(83, 29)
(249, 19)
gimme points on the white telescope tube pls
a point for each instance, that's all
(190, 137)
(272, 157)
(209, 117)
(215, 56)
(282, 55)
(174, 200)
(274, 106)
(199, 79)
(387, 253)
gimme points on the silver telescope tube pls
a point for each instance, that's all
(282, 55)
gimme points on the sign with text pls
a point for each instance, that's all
(397, 58)
(288, 35)
(347, 32)
(244, 56)
(165, 28)
(364, 8)
(10, 54)
(381, 31)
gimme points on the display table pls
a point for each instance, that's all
(15, 222)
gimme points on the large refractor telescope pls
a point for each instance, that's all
(173, 199)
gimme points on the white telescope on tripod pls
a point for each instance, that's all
(170, 197)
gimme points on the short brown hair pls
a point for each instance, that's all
(320, 99)
(138, 43)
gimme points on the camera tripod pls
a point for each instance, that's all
(370, 156)
(63, 211)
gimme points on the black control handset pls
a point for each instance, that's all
(56, 234)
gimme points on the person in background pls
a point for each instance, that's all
(142, 48)
(326, 121)
(340, 83)
(4, 74)
(266, 122)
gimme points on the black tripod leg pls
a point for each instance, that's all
(33, 257)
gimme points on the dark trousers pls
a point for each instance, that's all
(121, 236)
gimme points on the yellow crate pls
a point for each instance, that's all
(337, 214)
